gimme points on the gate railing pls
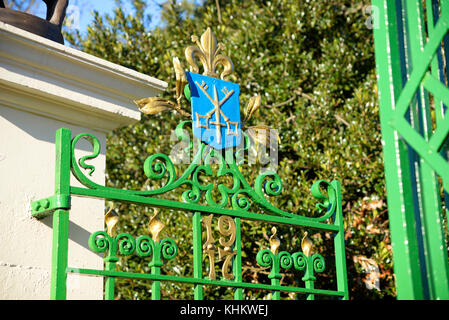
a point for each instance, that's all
(412, 54)
(240, 201)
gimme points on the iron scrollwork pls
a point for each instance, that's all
(239, 196)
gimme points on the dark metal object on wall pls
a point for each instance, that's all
(49, 28)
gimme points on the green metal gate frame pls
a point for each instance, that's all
(412, 54)
(234, 206)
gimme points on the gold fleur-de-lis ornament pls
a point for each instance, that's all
(207, 51)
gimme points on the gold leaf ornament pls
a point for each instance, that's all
(252, 107)
(154, 105)
(181, 78)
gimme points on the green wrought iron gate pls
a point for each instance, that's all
(227, 203)
(412, 54)
(241, 196)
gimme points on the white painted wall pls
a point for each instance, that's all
(45, 86)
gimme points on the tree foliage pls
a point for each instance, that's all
(313, 64)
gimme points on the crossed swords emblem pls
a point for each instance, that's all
(217, 111)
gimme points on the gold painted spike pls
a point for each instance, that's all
(155, 226)
(274, 241)
(206, 50)
(306, 245)
(111, 220)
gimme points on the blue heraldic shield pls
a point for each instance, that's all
(215, 111)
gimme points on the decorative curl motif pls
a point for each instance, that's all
(169, 249)
(144, 246)
(266, 258)
(285, 260)
(300, 261)
(101, 242)
(309, 265)
(318, 263)
(126, 244)
(327, 202)
(157, 170)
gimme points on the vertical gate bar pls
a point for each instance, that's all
(276, 293)
(60, 245)
(435, 243)
(413, 116)
(310, 285)
(156, 285)
(197, 255)
(339, 245)
(237, 263)
(109, 287)
(397, 177)
(438, 71)
(412, 27)
(437, 63)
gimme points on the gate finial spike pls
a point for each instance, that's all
(155, 226)
(111, 220)
(274, 241)
(306, 245)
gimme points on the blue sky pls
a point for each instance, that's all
(81, 11)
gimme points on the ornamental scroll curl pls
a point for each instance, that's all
(240, 195)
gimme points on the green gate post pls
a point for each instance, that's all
(436, 253)
(61, 217)
(407, 267)
(404, 56)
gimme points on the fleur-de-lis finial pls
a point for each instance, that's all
(306, 245)
(206, 50)
(155, 226)
(111, 220)
(274, 241)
